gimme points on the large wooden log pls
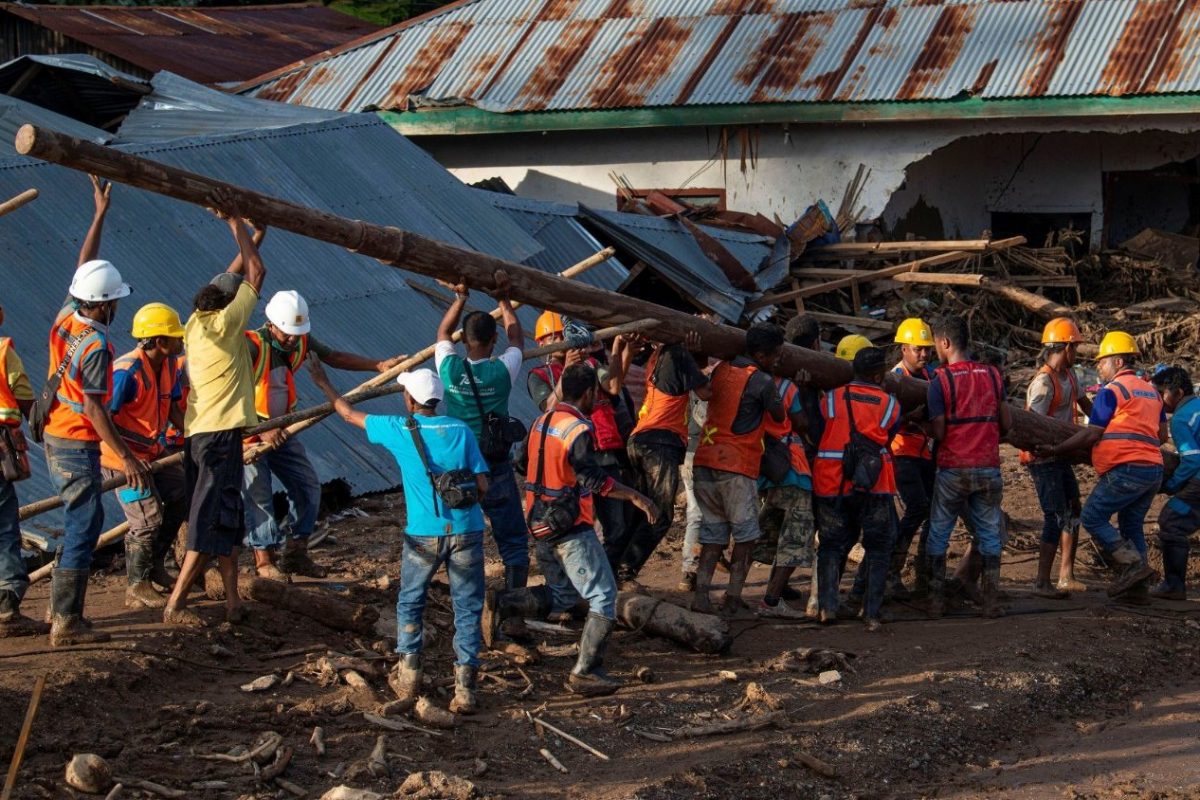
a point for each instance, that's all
(313, 603)
(704, 633)
(410, 251)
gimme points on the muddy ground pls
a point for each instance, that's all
(1078, 699)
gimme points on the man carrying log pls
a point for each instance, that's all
(561, 478)
(146, 397)
(277, 350)
(220, 406)
(1054, 392)
(1125, 429)
(428, 447)
(969, 414)
(728, 462)
(1180, 517)
(77, 420)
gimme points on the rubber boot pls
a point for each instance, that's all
(68, 588)
(936, 567)
(1134, 569)
(1175, 562)
(991, 587)
(513, 626)
(588, 677)
(406, 679)
(921, 567)
(501, 606)
(158, 565)
(141, 592)
(828, 569)
(465, 680)
(895, 587)
(295, 560)
(264, 567)
(13, 623)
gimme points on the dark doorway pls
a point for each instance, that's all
(1044, 227)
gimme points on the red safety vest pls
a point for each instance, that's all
(603, 416)
(661, 411)
(783, 430)
(973, 393)
(1056, 400)
(566, 425)
(10, 411)
(262, 373)
(1132, 434)
(66, 419)
(720, 448)
(875, 411)
(143, 421)
(910, 441)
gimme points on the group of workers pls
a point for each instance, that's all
(774, 470)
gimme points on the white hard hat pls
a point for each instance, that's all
(98, 281)
(423, 385)
(288, 311)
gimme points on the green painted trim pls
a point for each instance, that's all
(470, 120)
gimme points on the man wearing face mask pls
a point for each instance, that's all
(277, 350)
(77, 420)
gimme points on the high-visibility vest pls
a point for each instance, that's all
(603, 416)
(910, 441)
(262, 372)
(1056, 400)
(973, 393)
(875, 411)
(720, 448)
(143, 421)
(783, 430)
(10, 411)
(66, 419)
(172, 436)
(1132, 434)
(661, 411)
(560, 428)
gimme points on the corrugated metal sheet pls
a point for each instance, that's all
(209, 45)
(166, 250)
(15, 113)
(534, 55)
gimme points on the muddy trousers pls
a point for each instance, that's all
(1177, 523)
(842, 521)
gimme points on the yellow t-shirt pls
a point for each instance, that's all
(218, 365)
(18, 381)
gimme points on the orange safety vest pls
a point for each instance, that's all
(10, 411)
(173, 437)
(875, 412)
(783, 430)
(566, 424)
(1056, 402)
(662, 411)
(720, 448)
(143, 421)
(66, 419)
(910, 441)
(1132, 434)
(262, 375)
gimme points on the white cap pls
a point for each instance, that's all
(98, 281)
(424, 386)
(288, 311)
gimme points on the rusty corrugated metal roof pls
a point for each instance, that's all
(544, 55)
(207, 45)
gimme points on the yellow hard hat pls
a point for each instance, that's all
(1061, 330)
(1117, 343)
(548, 323)
(914, 331)
(156, 319)
(850, 345)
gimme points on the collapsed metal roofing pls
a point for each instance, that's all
(555, 55)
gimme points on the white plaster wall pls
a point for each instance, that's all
(797, 165)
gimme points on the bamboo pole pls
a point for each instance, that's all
(110, 536)
(13, 203)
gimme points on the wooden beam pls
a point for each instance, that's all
(948, 279)
(859, 322)
(848, 250)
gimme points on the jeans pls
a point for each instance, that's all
(613, 515)
(13, 576)
(423, 556)
(1126, 490)
(1179, 518)
(842, 521)
(575, 567)
(656, 475)
(502, 505)
(914, 484)
(691, 534)
(289, 463)
(75, 472)
(976, 491)
(1057, 494)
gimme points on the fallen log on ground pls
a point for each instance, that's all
(704, 633)
(731, 726)
(313, 603)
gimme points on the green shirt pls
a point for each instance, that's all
(494, 378)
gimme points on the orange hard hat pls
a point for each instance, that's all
(1061, 330)
(548, 323)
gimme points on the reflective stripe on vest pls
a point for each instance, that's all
(603, 416)
(783, 430)
(142, 421)
(10, 411)
(720, 448)
(661, 411)
(565, 426)
(66, 419)
(910, 441)
(1131, 436)
(972, 393)
(875, 411)
(262, 373)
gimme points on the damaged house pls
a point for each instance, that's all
(1019, 118)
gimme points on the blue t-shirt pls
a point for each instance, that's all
(128, 380)
(450, 445)
(1105, 405)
